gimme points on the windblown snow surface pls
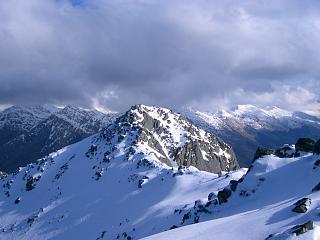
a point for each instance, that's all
(261, 207)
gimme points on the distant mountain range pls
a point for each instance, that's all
(248, 127)
(28, 133)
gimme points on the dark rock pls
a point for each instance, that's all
(209, 203)
(223, 195)
(305, 145)
(211, 196)
(173, 227)
(303, 228)
(233, 185)
(92, 150)
(31, 182)
(286, 151)
(302, 205)
(98, 175)
(18, 199)
(140, 183)
(316, 164)
(263, 152)
(186, 217)
(316, 147)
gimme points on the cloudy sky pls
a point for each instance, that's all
(116, 53)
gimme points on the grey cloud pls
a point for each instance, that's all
(169, 53)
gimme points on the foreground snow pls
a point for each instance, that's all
(272, 187)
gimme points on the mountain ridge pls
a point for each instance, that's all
(43, 133)
(134, 184)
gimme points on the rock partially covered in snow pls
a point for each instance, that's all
(302, 205)
(303, 228)
(263, 152)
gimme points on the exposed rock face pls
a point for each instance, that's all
(303, 228)
(173, 140)
(305, 144)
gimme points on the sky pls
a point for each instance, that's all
(174, 53)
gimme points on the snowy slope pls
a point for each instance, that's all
(113, 185)
(262, 204)
(248, 127)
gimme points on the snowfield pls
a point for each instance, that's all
(273, 186)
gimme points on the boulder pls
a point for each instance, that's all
(211, 196)
(302, 205)
(287, 151)
(305, 145)
(233, 185)
(18, 199)
(303, 228)
(223, 195)
(263, 152)
(316, 147)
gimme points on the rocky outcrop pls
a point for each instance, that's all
(180, 143)
(305, 145)
(302, 205)
(303, 228)
(287, 150)
(223, 195)
(263, 152)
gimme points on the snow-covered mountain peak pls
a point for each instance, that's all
(173, 140)
(254, 111)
